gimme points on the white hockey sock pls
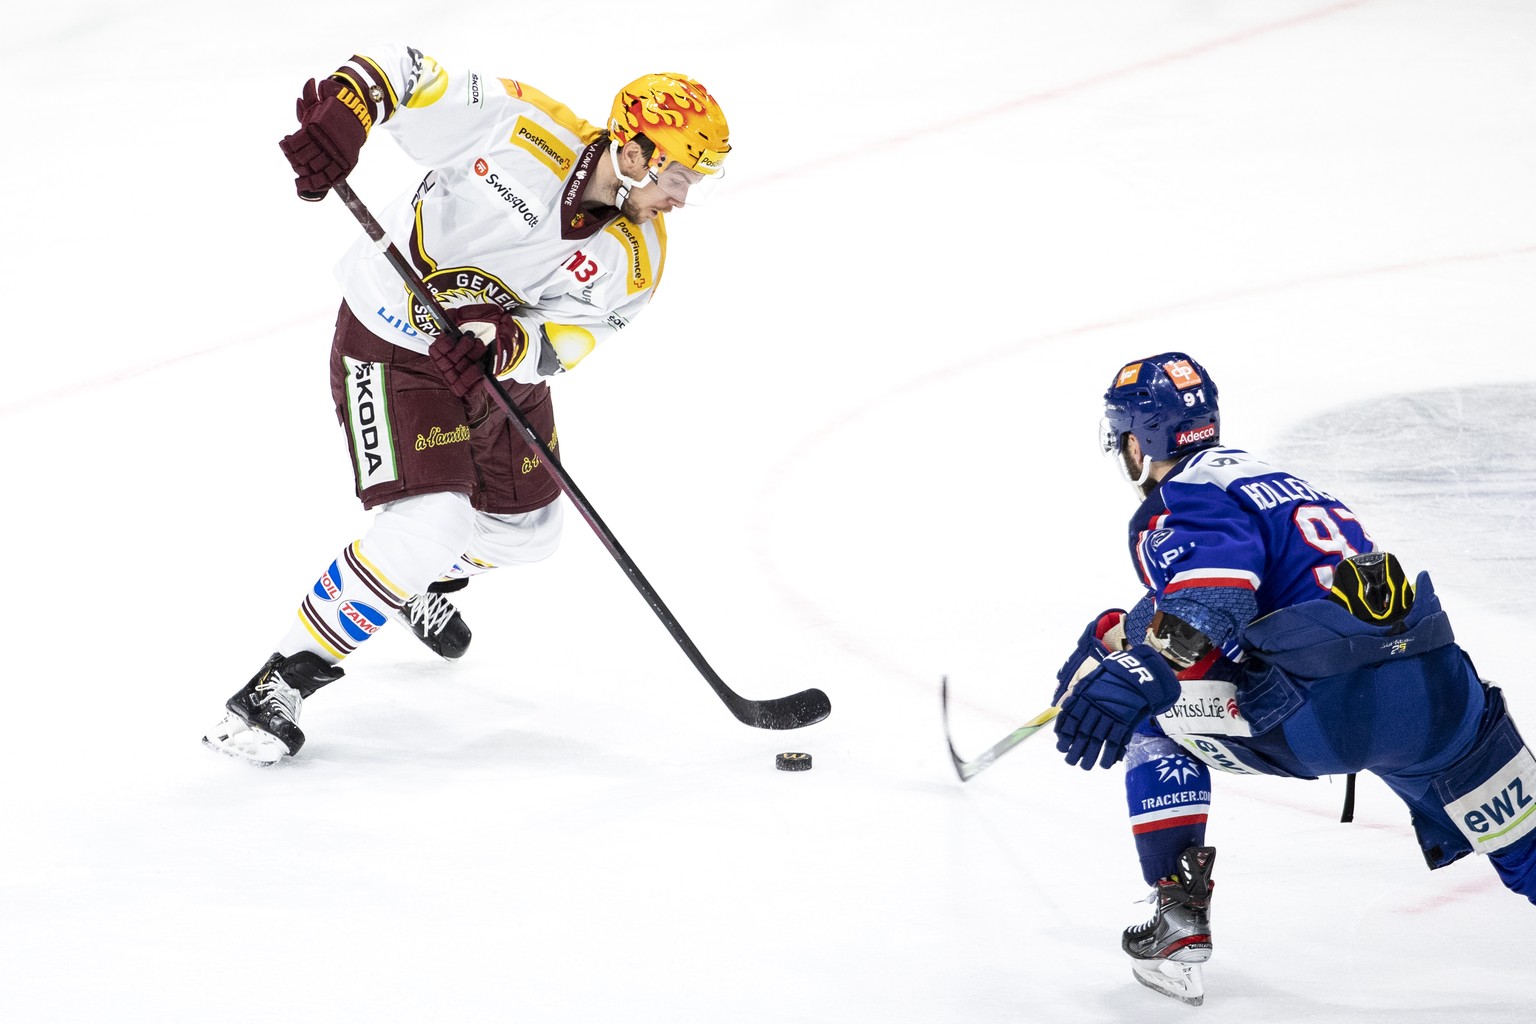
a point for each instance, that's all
(350, 602)
(409, 544)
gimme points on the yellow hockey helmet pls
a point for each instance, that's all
(679, 115)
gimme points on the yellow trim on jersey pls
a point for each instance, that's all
(633, 240)
(433, 84)
(572, 343)
(558, 112)
(659, 222)
(547, 149)
(421, 240)
(383, 78)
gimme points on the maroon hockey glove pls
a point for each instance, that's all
(489, 342)
(333, 124)
(460, 361)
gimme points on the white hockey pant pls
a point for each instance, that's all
(500, 540)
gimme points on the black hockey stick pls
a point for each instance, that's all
(798, 709)
(970, 769)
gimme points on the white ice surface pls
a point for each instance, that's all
(957, 219)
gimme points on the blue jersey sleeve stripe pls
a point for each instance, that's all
(1212, 578)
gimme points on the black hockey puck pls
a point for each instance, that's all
(792, 762)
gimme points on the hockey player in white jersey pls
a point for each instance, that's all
(544, 236)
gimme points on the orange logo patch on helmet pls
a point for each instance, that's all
(1128, 375)
(1182, 374)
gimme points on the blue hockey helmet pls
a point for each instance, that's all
(1168, 402)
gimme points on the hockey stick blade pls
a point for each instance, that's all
(793, 712)
(968, 770)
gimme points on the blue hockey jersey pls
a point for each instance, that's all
(1226, 531)
(1246, 553)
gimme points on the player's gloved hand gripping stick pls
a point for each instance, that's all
(791, 712)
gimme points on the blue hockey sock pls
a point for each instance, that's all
(1168, 793)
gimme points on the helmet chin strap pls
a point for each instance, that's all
(626, 183)
(1138, 482)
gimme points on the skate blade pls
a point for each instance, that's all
(1174, 980)
(232, 736)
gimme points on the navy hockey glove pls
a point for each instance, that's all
(1099, 715)
(489, 342)
(1104, 634)
(333, 124)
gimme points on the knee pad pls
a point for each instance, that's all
(1490, 794)
(413, 540)
(515, 539)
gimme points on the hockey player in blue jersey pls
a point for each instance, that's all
(1271, 639)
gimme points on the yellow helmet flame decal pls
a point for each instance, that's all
(678, 114)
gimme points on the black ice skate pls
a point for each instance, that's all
(261, 723)
(1170, 948)
(436, 622)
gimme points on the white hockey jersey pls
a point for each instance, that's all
(498, 219)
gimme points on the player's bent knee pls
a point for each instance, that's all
(519, 538)
(414, 539)
(1490, 795)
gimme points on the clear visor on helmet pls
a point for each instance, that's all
(680, 182)
(1109, 436)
